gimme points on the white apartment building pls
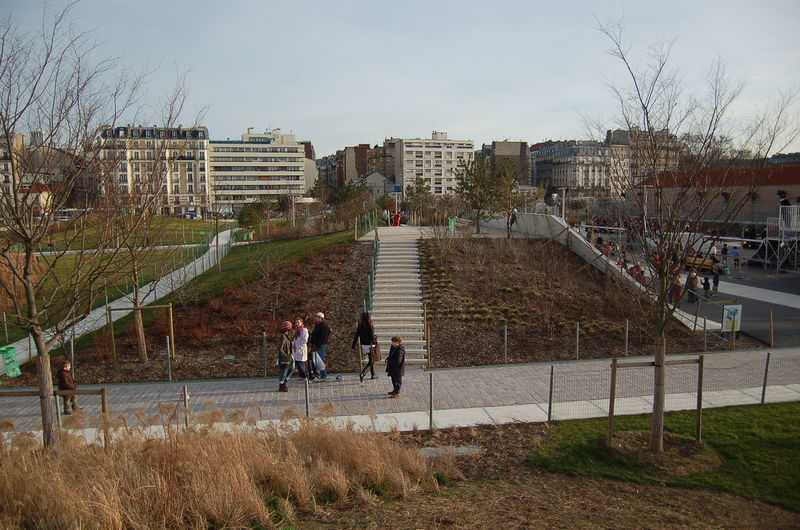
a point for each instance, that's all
(142, 159)
(435, 159)
(260, 166)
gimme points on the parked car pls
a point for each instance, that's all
(699, 261)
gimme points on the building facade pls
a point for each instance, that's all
(587, 168)
(436, 160)
(170, 161)
(260, 166)
(514, 155)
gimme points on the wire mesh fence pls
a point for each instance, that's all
(467, 396)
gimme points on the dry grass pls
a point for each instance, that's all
(204, 478)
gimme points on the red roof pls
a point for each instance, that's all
(732, 177)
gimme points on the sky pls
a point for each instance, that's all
(344, 72)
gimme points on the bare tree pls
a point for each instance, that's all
(51, 86)
(672, 184)
(141, 204)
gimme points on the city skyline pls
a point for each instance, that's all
(345, 73)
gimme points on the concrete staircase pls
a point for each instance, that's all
(397, 300)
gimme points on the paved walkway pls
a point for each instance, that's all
(172, 281)
(461, 396)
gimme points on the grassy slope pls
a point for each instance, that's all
(760, 447)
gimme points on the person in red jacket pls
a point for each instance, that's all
(66, 382)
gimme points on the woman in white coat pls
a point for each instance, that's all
(300, 349)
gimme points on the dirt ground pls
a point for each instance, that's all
(232, 325)
(540, 291)
(498, 490)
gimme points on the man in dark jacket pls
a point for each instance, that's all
(66, 382)
(396, 365)
(320, 336)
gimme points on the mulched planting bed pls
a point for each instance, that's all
(231, 325)
(474, 288)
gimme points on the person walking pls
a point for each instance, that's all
(715, 278)
(396, 365)
(285, 359)
(365, 334)
(320, 337)
(724, 253)
(692, 285)
(66, 382)
(706, 287)
(300, 349)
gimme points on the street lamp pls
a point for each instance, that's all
(215, 215)
(644, 207)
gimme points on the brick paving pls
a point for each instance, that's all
(576, 385)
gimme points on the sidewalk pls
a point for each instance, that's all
(98, 317)
(461, 396)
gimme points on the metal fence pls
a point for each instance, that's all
(448, 397)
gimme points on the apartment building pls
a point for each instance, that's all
(585, 167)
(260, 166)
(168, 160)
(510, 154)
(648, 152)
(380, 159)
(347, 164)
(435, 159)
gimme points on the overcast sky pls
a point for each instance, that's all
(343, 72)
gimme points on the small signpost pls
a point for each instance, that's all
(732, 321)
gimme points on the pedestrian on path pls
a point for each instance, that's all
(365, 335)
(715, 278)
(66, 382)
(320, 337)
(285, 359)
(692, 285)
(300, 349)
(706, 287)
(396, 365)
(396, 219)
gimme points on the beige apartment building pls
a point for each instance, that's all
(436, 160)
(166, 160)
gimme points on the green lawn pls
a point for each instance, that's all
(170, 232)
(759, 445)
(160, 262)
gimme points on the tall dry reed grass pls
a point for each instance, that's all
(200, 478)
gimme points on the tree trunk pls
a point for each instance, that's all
(659, 377)
(140, 338)
(46, 400)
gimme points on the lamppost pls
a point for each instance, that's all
(644, 208)
(215, 215)
(564, 190)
